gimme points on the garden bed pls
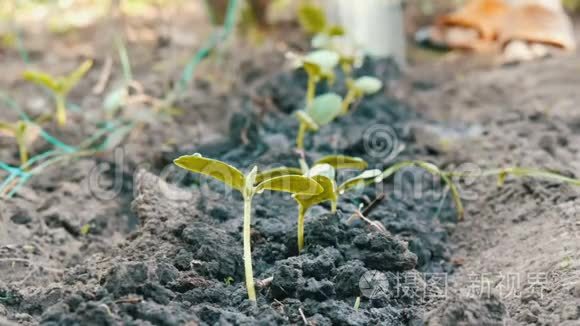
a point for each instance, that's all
(170, 258)
(125, 237)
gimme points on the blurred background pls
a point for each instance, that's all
(164, 32)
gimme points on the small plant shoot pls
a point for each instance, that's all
(25, 133)
(324, 173)
(248, 187)
(313, 20)
(319, 65)
(323, 110)
(59, 87)
(358, 88)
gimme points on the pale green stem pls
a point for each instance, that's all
(310, 91)
(347, 69)
(300, 136)
(333, 206)
(348, 100)
(303, 165)
(22, 149)
(60, 109)
(247, 238)
(301, 215)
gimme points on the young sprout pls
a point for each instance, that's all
(313, 21)
(347, 63)
(319, 65)
(247, 186)
(329, 37)
(358, 88)
(323, 110)
(60, 87)
(25, 134)
(324, 173)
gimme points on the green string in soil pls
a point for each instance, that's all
(21, 175)
(217, 37)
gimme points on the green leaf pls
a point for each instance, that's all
(295, 184)
(276, 172)
(329, 193)
(364, 178)
(73, 78)
(85, 229)
(311, 18)
(343, 162)
(325, 108)
(335, 30)
(312, 69)
(213, 168)
(325, 59)
(368, 85)
(393, 169)
(43, 79)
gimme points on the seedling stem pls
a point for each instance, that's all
(247, 239)
(60, 109)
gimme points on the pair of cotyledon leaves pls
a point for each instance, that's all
(326, 107)
(316, 186)
(25, 131)
(59, 85)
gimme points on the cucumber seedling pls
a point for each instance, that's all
(358, 88)
(319, 65)
(330, 37)
(25, 134)
(313, 20)
(322, 111)
(59, 87)
(247, 186)
(324, 173)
